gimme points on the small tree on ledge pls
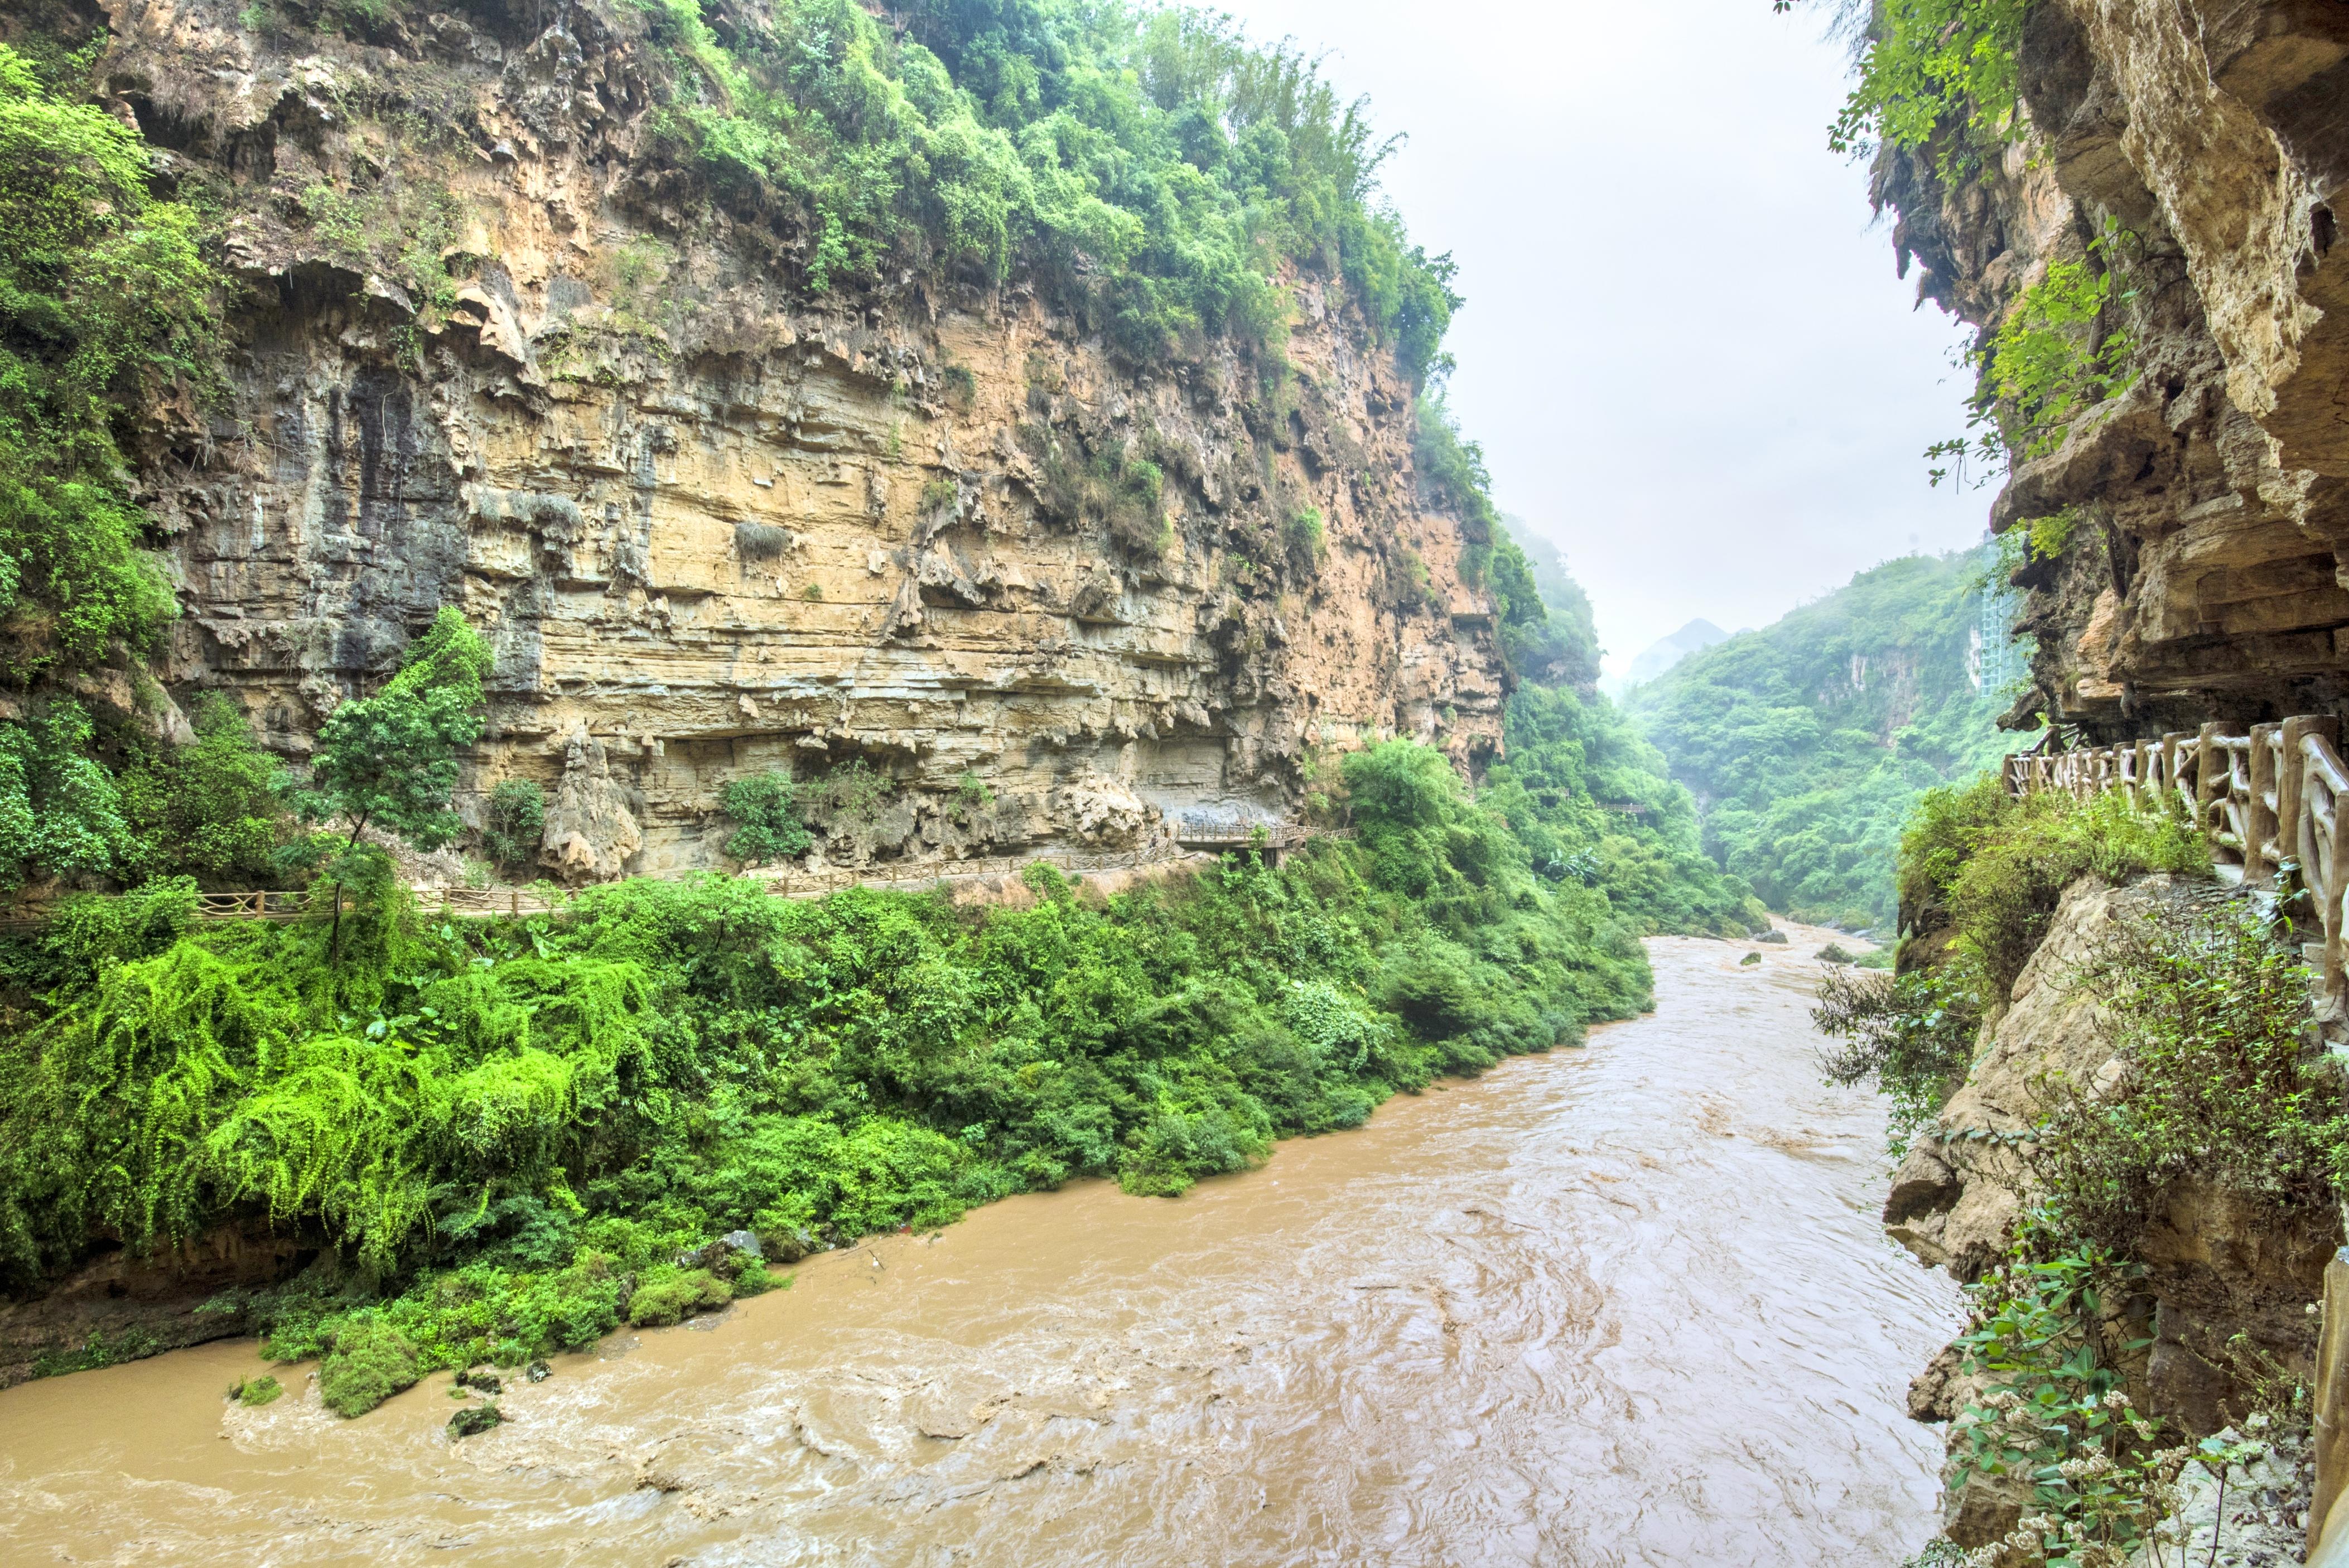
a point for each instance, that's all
(391, 760)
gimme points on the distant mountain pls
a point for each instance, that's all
(1808, 741)
(1665, 651)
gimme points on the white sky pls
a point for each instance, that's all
(1684, 349)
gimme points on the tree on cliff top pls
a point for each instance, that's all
(391, 760)
(1153, 167)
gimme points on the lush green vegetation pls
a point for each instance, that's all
(1582, 789)
(2208, 1002)
(1935, 73)
(1943, 76)
(2055, 355)
(508, 1137)
(2209, 1010)
(105, 304)
(1152, 165)
(507, 1132)
(1808, 741)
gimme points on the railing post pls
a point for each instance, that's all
(2260, 812)
(2209, 762)
(2291, 782)
(2329, 906)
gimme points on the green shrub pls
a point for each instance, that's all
(99, 1349)
(1107, 489)
(87, 933)
(2210, 1013)
(106, 304)
(390, 759)
(668, 1301)
(1152, 169)
(2050, 361)
(1301, 534)
(2042, 1334)
(214, 808)
(1981, 873)
(1911, 1036)
(856, 790)
(60, 810)
(1990, 867)
(370, 1362)
(514, 823)
(255, 1391)
(766, 818)
(1936, 71)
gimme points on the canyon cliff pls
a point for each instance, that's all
(2200, 149)
(493, 347)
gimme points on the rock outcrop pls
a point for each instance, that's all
(120, 1304)
(2225, 1295)
(2211, 497)
(712, 527)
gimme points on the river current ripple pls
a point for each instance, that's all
(1625, 1303)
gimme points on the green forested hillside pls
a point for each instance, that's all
(1807, 741)
(1586, 792)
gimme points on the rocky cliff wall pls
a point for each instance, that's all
(712, 524)
(2224, 1295)
(2212, 494)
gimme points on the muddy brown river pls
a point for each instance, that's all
(1625, 1303)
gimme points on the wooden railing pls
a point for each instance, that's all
(1216, 837)
(2268, 803)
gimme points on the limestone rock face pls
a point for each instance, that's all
(590, 834)
(2212, 495)
(712, 527)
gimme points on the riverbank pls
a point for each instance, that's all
(1625, 1303)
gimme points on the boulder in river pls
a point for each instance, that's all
(725, 1256)
(474, 1421)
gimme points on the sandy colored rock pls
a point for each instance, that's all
(1953, 1200)
(2211, 495)
(2224, 1295)
(710, 527)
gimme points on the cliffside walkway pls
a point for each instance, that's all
(2267, 801)
(512, 899)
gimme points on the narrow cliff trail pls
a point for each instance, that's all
(1627, 1303)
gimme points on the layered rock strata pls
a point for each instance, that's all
(938, 534)
(2210, 499)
